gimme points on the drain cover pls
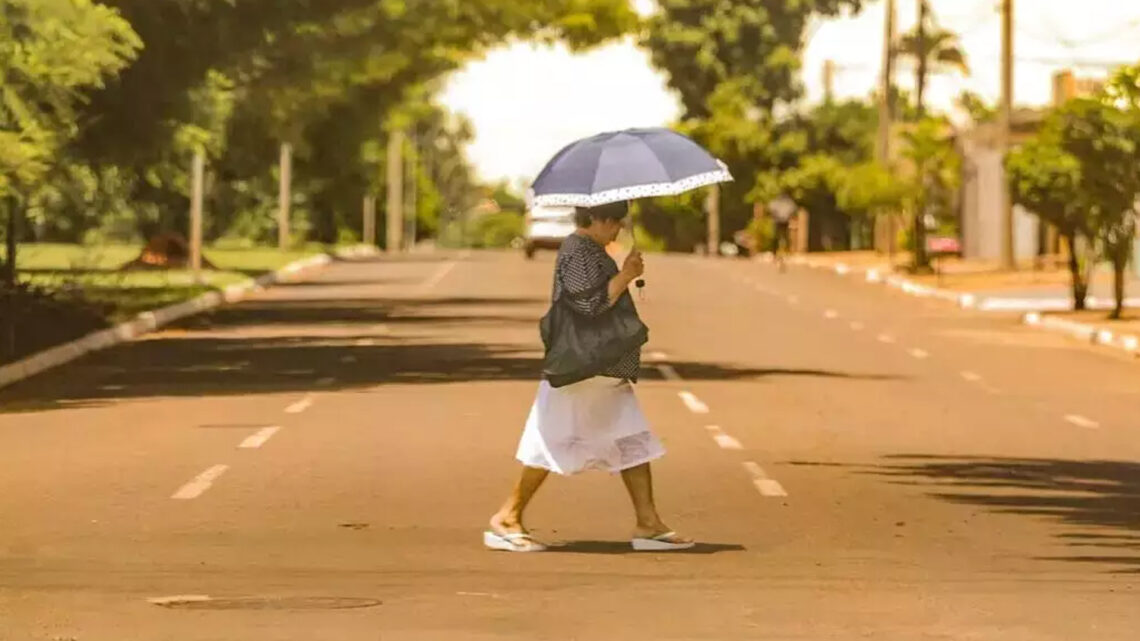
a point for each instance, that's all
(202, 602)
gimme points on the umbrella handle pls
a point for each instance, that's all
(640, 282)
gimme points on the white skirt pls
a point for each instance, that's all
(596, 424)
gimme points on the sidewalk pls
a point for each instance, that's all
(1041, 292)
(981, 284)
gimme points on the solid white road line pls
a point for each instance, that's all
(259, 438)
(765, 485)
(364, 342)
(971, 376)
(668, 372)
(438, 276)
(200, 484)
(178, 598)
(1081, 421)
(695, 405)
(918, 353)
(300, 406)
(885, 338)
(724, 441)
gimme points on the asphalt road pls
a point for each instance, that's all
(318, 463)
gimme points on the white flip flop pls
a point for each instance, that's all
(512, 542)
(660, 543)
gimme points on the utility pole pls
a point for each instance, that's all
(285, 196)
(918, 220)
(886, 116)
(712, 206)
(1008, 257)
(828, 81)
(197, 181)
(413, 191)
(395, 214)
(368, 235)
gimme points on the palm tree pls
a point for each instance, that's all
(934, 50)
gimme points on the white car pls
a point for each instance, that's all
(547, 227)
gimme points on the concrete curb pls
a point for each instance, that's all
(876, 275)
(149, 321)
(965, 300)
(1084, 332)
(1081, 331)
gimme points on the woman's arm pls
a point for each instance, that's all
(585, 286)
(633, 268)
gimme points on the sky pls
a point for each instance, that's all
(528, 101)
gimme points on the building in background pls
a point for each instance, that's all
(983, 177)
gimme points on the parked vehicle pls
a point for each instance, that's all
(546, 227)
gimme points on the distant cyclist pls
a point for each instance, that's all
(781, 210)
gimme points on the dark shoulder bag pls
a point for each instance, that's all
(579, 347)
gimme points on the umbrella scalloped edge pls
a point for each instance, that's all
(633, 192)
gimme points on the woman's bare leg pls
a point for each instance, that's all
(509, 518)
(639, 483)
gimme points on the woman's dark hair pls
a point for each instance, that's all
(584, 216)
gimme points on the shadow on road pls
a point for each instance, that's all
(1099, 500)
(320, 344)
(623, 547)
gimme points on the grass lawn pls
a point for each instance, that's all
(94, 272)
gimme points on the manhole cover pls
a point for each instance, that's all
(202, 602)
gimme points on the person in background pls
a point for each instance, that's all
(781, 210)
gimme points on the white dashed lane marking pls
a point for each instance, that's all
(668, 372)
(885, 338)
(300, 406)
(259, 438)
(831, 314)
(438, 276)
(200, 484)
(918, 353)
(971, 376)
(1081, 421)
(694, 404)
(724, 441)
(765, 485)
(856, 326)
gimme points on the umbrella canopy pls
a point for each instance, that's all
(624, 165)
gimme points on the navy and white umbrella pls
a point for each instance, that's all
(624, 165)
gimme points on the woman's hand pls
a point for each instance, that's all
(631, 270)
(634, 266)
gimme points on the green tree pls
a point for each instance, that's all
(310, 46)
(1103, 134)
(734, 65)
(978, 109)
(52, 52)
(936, 168)
(1046, 180)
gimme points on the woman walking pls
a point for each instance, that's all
(595, 422)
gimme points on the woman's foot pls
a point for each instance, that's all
(506, 532)
(660, 539)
